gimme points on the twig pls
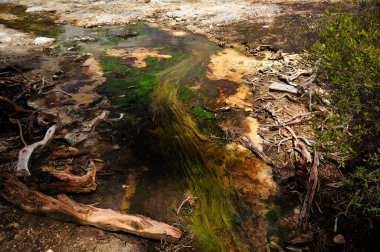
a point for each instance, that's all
(21, 134)
(183, 202)
(18, 70)
(56, 91)
(10, 79)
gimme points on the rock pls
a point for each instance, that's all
(43, 40)
(121, 32)
(85, 39)
(339, 239)
(5, 38)
(35, 9)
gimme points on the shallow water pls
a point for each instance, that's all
(163, 84)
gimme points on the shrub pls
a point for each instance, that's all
(349, 46)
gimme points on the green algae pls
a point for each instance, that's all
(129, 87)
(200, 113)
(215, 218)
(184, 93)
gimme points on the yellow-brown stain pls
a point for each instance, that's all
(138, 54)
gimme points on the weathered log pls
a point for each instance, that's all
(33, 201)
(26, 152)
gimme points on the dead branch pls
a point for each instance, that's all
(10, 79)
(33, 201)
(289, 79)
(26, 152)
(70, 182)
(65, 152)
(306, 83)
(14, 105)
(298, 146)
(308, 200)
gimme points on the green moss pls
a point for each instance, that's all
(201, 113)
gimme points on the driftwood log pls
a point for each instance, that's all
(17, 193)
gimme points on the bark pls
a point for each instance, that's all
(312, 188)
(33, 201)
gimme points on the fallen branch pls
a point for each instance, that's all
(308, 201)
(10, 79)
(70, 182)
(33, 201)
(14, 105)
(26, 152)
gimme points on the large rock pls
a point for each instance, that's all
(43, 40)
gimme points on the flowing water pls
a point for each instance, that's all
(159, 80)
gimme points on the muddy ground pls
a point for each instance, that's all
(247, 25)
